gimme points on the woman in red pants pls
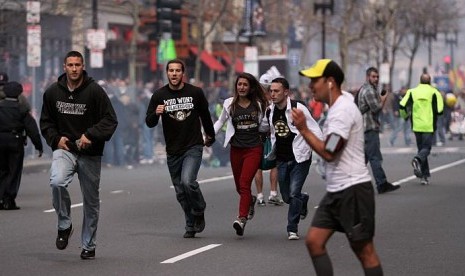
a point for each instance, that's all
(243, 113)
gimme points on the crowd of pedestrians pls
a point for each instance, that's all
(87, 123)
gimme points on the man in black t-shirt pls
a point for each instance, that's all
(293, 155)
(184, 111)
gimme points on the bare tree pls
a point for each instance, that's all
(425, 18)
(204, 11)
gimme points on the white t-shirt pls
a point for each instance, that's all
(349, 168)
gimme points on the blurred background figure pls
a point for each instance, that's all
(147, 136)
(398, 123)
(113, 154)
(129, 119)
(456, 106)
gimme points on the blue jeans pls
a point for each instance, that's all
(291, 178)
(113, 152)
(373, 155)
(183, 170)
(440, 132)
(147, 142)
(64, 165)
(424, 144)
(401, 125)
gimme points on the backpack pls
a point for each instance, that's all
(356, 96)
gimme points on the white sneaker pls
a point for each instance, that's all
(275, 200)
(292, 236)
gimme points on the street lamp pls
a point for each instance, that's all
(323, 6)
(429, 33)
(452, 40)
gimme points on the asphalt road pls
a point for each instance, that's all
(419, 228)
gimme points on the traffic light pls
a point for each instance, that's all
(169, 17)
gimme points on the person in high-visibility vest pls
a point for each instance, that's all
(422, 105)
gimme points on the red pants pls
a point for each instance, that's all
(245, 163)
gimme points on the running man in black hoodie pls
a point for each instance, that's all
(182, 107)
(77, 118)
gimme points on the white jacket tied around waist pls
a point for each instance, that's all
(226, 116)
(302, 151)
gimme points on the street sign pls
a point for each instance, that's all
(96, 39)
(442, 83)
(33, 12)
(250, 53)
(96, 58)
(384, 77)
(33, 45)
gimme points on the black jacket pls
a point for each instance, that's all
(87, 110)
(14, 120)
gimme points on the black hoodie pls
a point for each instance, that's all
(87, 110)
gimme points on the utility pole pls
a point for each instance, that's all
(452, 40)
(323, 7)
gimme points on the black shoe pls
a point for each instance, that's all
(10, 204)
(189, 235)
(381, 189)
(387, 187)
(63, 237)
(1, 205)
(304, 211)
(239, 225)
(416, 164)
(199, 223)
(252, 208)
(87, 254)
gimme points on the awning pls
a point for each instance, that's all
(209, 60)
(239, 66)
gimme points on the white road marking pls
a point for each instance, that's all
(190, 254)
(440, 168)
(212, 179)
(72, 206)
(216, 179)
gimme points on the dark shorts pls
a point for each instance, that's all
(351, 211)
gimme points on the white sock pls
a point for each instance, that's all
(273, 193)
(260, 196)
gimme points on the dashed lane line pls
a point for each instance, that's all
(190, 254)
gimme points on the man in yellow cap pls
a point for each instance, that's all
(349, 205)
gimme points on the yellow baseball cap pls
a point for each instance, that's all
(317, 70)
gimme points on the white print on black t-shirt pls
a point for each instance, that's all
(282, 130)
(179, 108)
(71, 108)
(246, 121)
